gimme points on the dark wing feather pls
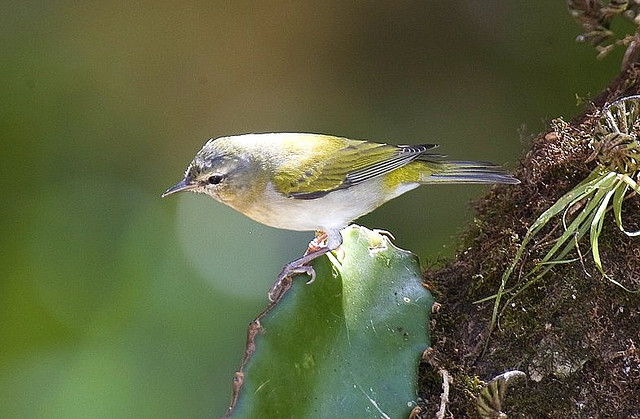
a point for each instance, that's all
(357, 163)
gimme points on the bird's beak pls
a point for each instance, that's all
(184, 185)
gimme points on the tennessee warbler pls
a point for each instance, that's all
(318, 182)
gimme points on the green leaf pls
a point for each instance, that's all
(619, 198)
(596, 228)
(581, 191)
(346, 345)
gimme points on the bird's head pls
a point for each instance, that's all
(218, 170)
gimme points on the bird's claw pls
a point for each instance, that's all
(309, 271)
(283, 283)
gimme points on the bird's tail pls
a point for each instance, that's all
(467, 172)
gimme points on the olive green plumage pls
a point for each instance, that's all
(319, 182)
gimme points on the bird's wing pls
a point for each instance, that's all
(354, 163)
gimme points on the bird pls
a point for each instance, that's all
(318, 182)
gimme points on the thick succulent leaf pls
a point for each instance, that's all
(347, 345)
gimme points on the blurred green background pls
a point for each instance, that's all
(116, 303)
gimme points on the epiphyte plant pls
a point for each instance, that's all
(596, 17)
(616, 150)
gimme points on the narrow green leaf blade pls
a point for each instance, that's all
(596, 228)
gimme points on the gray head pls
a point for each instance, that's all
(215, 171)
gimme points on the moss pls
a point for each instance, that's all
(573, 333)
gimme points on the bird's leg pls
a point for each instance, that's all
(318, 242)
(300, 266)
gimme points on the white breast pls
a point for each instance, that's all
(332, 211)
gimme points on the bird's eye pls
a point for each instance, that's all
(214, 179)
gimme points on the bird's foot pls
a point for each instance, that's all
(283, 283)
(301, 266)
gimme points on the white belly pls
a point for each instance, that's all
(332, 211)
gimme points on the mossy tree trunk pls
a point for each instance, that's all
(575, 334)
